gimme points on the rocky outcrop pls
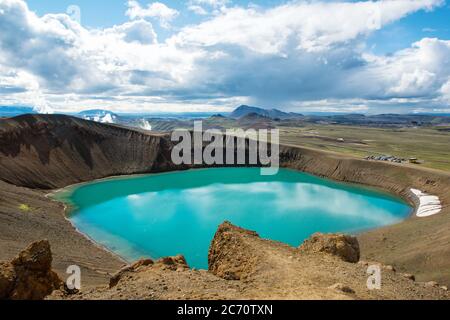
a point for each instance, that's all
(229, 255)
(177, 263)
(172, 263)
(131, 268)
(7, 280)
(344, 246)
(244, 266)
(29, 275)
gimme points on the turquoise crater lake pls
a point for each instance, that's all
(178, 212)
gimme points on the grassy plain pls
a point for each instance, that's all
(427, 144)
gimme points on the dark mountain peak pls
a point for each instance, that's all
(244, 110)
(218, 115)
(254, 115)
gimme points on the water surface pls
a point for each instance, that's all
(179, 212)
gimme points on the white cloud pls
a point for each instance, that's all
(153, 10)
(417, 71)
(205, 7)
(308, 26)
(198, 10)
(140, 31)
(298, 54)
(445, 91)
(212, 3)
(414, 82)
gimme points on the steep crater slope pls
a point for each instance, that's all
(48, 151)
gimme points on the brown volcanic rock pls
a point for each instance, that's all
(177, 263)
(131, 268)
(344, 246)
(29, 275)
(172, 263)
(244, 266)
(7, 280)
(36, 257)
(229, 255)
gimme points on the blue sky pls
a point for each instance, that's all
(402, 33)
(116, 9)
(212, 55)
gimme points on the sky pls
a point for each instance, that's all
(213, 55)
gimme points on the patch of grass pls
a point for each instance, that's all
(427, 144)
(24, 207)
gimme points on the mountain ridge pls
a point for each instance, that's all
(244, 110)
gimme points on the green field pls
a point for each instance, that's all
(427, 144)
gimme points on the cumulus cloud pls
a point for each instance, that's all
(205, 7)
(153, 10)
(197, 9)
(139, 31)
(295, 55)
(212, 3)
(445, 90)
(308, 26)
(421, 70)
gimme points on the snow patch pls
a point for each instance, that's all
(428, 204)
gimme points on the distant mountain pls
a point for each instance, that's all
(9, 111)
(254, 116)
(98, 115)
(269, 113)
(255, 121)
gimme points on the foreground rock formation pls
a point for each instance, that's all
(29, 276)
(341, 245)
(244, 266)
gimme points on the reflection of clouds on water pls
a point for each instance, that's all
(203, 201)
(133, 197)
(281, 199)
(292, 198)
(303, 197)
(257, 187)
(160, 206)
